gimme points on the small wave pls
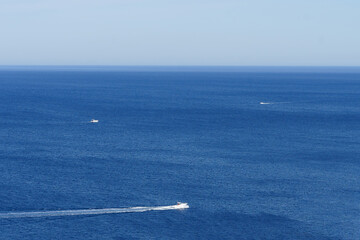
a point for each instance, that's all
(90, 211)
(274, 102)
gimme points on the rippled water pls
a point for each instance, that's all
(287, 169)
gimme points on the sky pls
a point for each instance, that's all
(183, 32)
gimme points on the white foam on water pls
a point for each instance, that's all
(90, 211)
(266, 103)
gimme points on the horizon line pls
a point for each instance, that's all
(117, 65)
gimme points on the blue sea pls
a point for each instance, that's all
(288, 168)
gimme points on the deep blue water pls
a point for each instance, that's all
(285, 170)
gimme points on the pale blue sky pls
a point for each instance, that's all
(183, 32)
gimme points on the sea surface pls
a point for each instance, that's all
(285, 169)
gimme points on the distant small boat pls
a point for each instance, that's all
(94, 121)
(180, 205)
(264, 103)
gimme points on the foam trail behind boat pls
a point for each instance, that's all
(90, 211)
(267, 103)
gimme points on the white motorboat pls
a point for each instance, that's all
(94, 121)
(181, 205)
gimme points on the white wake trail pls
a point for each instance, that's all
(267, 103)
(90, 211)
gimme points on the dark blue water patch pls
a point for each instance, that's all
(283, 170)
(173, 225)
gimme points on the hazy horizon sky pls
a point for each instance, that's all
(187, 32)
